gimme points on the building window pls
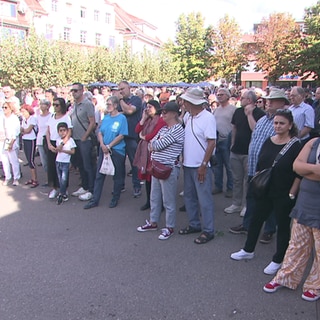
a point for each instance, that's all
(54, 5)
(96, 15)
(49, 31)
(83, 36)
(108, 18)
(112, 42)
(98, 39)
(83, 12)
(8, 9)
(66, 34)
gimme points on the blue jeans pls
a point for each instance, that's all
(271, 223)
(131, 147)
(223, 160)
(164, 191)
(63, 176)
(118, 178)
(86, 164)
(198, 195)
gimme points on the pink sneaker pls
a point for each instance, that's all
(309, 296)
(272, 287)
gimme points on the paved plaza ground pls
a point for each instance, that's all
(67, 263)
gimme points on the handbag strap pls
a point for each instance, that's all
(196, 136)
(284, 149)
(75, 110)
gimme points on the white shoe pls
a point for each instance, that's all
(53, 194)
(272, 268)
(85, 196)
(79, 192)
(15, 182)
(243, 211)
(232, 209)
(181, 194)
(242, 255)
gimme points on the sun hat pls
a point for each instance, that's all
(276, 94)
(194, 96)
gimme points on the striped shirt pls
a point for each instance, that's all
(167, 144)
(263, 130)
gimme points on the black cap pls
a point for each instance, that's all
(171, 106)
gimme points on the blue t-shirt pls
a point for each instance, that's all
(111, 127)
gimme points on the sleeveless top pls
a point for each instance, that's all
(307, 208)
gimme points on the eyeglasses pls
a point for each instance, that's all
(56, 104)
(74, 90)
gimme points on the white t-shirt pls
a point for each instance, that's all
(52, 125)
(42, 127)
(64, 157)
(203, 125)
(26, 124)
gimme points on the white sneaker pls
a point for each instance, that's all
(86, 196)
(243, 211)
(242, 255)
(53, 194)
(272, 268)
(79, 192)
(15, 182)
(232, 209)
(181, 194)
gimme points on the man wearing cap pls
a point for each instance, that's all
(303, 114)
(262, 130)
(199, 144)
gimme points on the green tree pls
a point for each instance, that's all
(191, 48)
(278, 42)
(307, 62)
(228, 56)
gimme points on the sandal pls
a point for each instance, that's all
(204, 238)
(34, 184)
(29, 182)
(189, 230)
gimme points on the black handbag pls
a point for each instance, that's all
(260, 182)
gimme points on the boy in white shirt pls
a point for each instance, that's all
(65, 148)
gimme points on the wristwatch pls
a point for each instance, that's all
(204, 163)
(292, 196)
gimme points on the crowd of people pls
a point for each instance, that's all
(220, 138)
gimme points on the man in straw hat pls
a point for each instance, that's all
(263, 129)
(199, 144)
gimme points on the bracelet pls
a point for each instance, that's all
(292, 196)
(108, 147)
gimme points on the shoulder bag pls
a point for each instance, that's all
(92, 134)
(260, 182)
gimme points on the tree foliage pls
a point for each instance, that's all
(36, 62)
(307, 62)
(190, 51)
(278, 41)
(228, 56)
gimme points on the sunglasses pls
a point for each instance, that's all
(74, 90)
(285, 111)
(56, 104)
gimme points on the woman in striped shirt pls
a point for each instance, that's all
(165, 148)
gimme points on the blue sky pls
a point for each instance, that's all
(164, 13)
